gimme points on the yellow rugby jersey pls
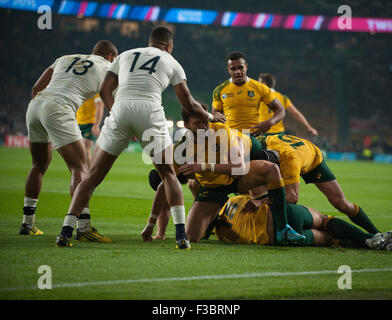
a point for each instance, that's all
(224, 140)
(297, 156)
(86, 112)
(237, 226)
(241, 104)
(266, 113)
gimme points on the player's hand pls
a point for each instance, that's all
(313, 132)
(191, 168)
(146, 233)
(95, 130)
(260, 128)
(219, 117)
(251, 207)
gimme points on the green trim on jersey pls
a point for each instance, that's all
(218, 90)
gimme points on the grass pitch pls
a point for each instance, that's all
(129, 268)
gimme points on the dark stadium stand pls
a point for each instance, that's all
(340, 81)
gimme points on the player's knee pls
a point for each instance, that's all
(166, 171)
(170, 179)
(321, 238)
(342, 205)
(79, 172)
(40, 167)
(193, 185)
(192, 231)
(318, 219)
(273, 170)
(193, 238)
(265, 170)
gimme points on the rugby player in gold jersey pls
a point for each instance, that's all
(239, 98)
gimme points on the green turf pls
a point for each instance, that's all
(120, 207)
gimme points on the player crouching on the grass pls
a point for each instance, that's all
(247, 220)
(229, 173)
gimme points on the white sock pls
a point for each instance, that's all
(70, 221)
(178, 214)
(30, 202)
(86, 211)
(84, 224)
(29, 219)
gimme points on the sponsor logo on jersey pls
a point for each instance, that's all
(227, 95)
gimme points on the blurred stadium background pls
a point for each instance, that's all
(340, 80)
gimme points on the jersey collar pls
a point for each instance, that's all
(247, 79)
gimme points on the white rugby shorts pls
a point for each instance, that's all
(144, 119)
(51, 120)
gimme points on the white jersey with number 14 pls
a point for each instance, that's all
(144, 73)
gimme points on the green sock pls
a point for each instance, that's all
(277, 199)
(309, 241)
(340, 229)
(363, 221)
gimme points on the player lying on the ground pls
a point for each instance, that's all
(160, 214)
(243, 220)
(51, 123)
(217, 180)
(301, 158)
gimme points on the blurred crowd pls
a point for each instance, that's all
(340, 81)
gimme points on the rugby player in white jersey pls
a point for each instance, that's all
(51, 123)
(141, 75)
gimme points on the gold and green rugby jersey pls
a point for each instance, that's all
(241, 104)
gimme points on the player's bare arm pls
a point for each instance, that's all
(191, 105)
(42, 82)
(297, 115)
(264, 126)
(109, 83)
(98, 118)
